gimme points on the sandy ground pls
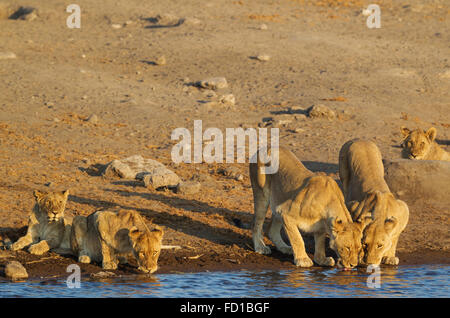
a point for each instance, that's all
(321, 52)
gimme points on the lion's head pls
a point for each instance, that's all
(416, 143)
(346, 242)
(377, 240)
(51, 204)
(146, 247)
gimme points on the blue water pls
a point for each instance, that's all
(402, 281)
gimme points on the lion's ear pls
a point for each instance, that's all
(431, 134)
(364, 220)
(65, 194)
(38, 195)
(405, 131)
(158, 233)
(134, 234)
(337, 225)
(390, 223)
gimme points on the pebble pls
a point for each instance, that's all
(214, 83)
(263, 57)
(116, 26)
(15, 271)
(228, 99)
(93, 119)
(161, 60)
(263, 26)
(321, 111)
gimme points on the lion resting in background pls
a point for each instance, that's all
(421, 145)
(104, 236)
(371, 202)
(301, 200)
(47, 227)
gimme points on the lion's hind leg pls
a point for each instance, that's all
(78, 236)
(275, 233)
(261, 205)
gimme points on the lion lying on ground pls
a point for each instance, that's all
(105, 236)
(371, 202)
(421, 145)
(47, 227)
(301, 200)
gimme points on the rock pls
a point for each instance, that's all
(263, 26)
(263, 57)
(213, 83)
(93, 119)
(24, 13)
(167, 19)
(228, 99)
(160, 60)
(232, 173)
(7, 55)
(419, 181)
(192, 21)
(15, 271)
(116, 26)
(321, 111)
(445, 74)
(188, 187)
(152, 172)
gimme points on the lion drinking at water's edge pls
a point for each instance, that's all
(371, 202)
(48, 228)
(301, 200)
(105, 236)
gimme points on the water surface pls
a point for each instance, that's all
(402, 281)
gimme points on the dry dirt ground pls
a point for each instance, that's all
(321, 52)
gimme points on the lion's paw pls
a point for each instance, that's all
(262, 249)
(109, 265)
(84, 259)
(389, 260)
(38, 248)
(303, 262)
(326, 261)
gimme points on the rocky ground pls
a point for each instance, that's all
(73, 100)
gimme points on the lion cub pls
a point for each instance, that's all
(371, 202)
(47, 227)
(301, 200)
(421, 145)
(104, 236)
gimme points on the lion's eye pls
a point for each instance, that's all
(155, 253)
(379, 245)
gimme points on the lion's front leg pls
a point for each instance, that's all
(389, 258)
(298, 246)
(25, 240)
(319, 250)
(109, 259)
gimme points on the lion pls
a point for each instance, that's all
(105, 236)
(301, 200)
(371, 202)
(48, 228)
(421, 145)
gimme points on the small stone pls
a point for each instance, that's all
(161, 177)
(321, 111)
(116, 26)
(232, 173)
(263, 26)
(7, 55)
(213, 83)
(228, 99)
(24, 13)
(192, 21)
(15, 271)
(161, 60)
(188, 187)
(263, 57)
(93, 119)
(167, 19)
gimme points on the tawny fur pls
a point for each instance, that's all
(371, 202)
(301, 200)
(48, 228)
(107, 236)
(420, 145)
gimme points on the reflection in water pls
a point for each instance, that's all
(409, 281)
